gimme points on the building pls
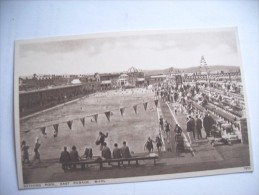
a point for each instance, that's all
(123, 80)
(155, 79)
(36, 100)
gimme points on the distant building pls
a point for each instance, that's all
(155, 79)
(123, 80)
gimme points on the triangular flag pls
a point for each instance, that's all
(95, 117)
(43, 130)
(135, 108)
(69, 124)
(145, 105)
(122, 111)
(108, 114)
(82, 121)
(56, 130)
(156, 102)
(55, 127)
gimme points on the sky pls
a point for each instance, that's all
(117, 52)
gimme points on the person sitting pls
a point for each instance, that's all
(106, 152)
(64, 158)
(125, 152)
(116, 153)
(74, 157)
(88, 154)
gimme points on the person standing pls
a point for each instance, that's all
(161, 123)
(207, 124)
(64, 158)
(178, 130)
(101, 139)
(36, 150)
(149, 145)
(193, 128)
(167, 129)
(189, 128)
(158, 143)
(25, 153)
(125, 152)
(198, 126)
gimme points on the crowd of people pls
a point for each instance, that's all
(106, 153)
(183, 95)
(167, 92)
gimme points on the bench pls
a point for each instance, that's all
(221, 113)
(120, 161)
(99, 162)
(82, 163)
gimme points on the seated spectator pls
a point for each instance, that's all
(116, 153)
(106, 152)
(125, 152)
(74, 155)
(88, 154)
(64, 158)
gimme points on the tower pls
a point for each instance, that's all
(203, 64)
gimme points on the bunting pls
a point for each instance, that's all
(122, 110)
(135, 107)
(82, 121)
(156, 102)
(145, 106)
(108, 115)
(43, 130)
(95, 117)
(69, 124)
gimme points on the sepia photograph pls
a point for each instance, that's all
(130, 106)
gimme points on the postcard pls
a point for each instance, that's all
(130, 106)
